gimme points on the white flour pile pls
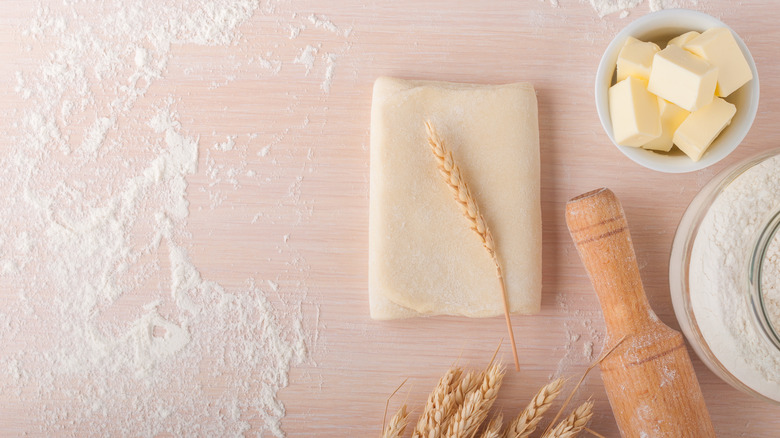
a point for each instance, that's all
(717, 277)
(106, 326)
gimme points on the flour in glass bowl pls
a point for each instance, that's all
(770, 281)
(107, 326)
(717, 277)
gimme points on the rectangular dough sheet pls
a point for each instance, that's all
(423, 257)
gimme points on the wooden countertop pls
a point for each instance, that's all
(319, 196)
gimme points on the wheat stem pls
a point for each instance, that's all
(387, 402)
(593, 365)
(594, 433)
(468, 203)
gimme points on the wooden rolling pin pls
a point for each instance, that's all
(649, 378)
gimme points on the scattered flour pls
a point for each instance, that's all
(717, 272)
(330, 60)
(141, 57)
(227, 145)
(322, 22)
(581, 335)
(607, 7)
(95, 253)
(307, 58)
(296, 30)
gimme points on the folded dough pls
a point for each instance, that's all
(423, 257)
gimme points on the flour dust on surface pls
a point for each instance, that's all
(107, 325)
(625, 7)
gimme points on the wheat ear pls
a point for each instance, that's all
(493, 429)
(472, 413)
(397, 425)
(466, 385)
(525, 423)
(439, 407)
(574, 423)
(468, 204)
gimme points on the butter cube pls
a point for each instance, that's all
(672, 117)
(682, 78)
(698, 131)
(683, 39)
(634, 113)
(719, 48)
(636, 59)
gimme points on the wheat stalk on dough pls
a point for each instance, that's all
(493, 429)
(457, 184)
(397, 425)
(574, 423)
(475, 407)
(439, 407)
(468, 204)
(525, 424)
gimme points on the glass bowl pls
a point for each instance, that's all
(679, 279)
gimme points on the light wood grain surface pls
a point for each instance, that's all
(323, 138)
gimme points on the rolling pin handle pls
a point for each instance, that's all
(649, 379)
(600, 231)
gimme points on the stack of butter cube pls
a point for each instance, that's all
(675, 96)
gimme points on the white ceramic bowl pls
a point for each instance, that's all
(659, 27)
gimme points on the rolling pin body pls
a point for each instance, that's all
(649, 378)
